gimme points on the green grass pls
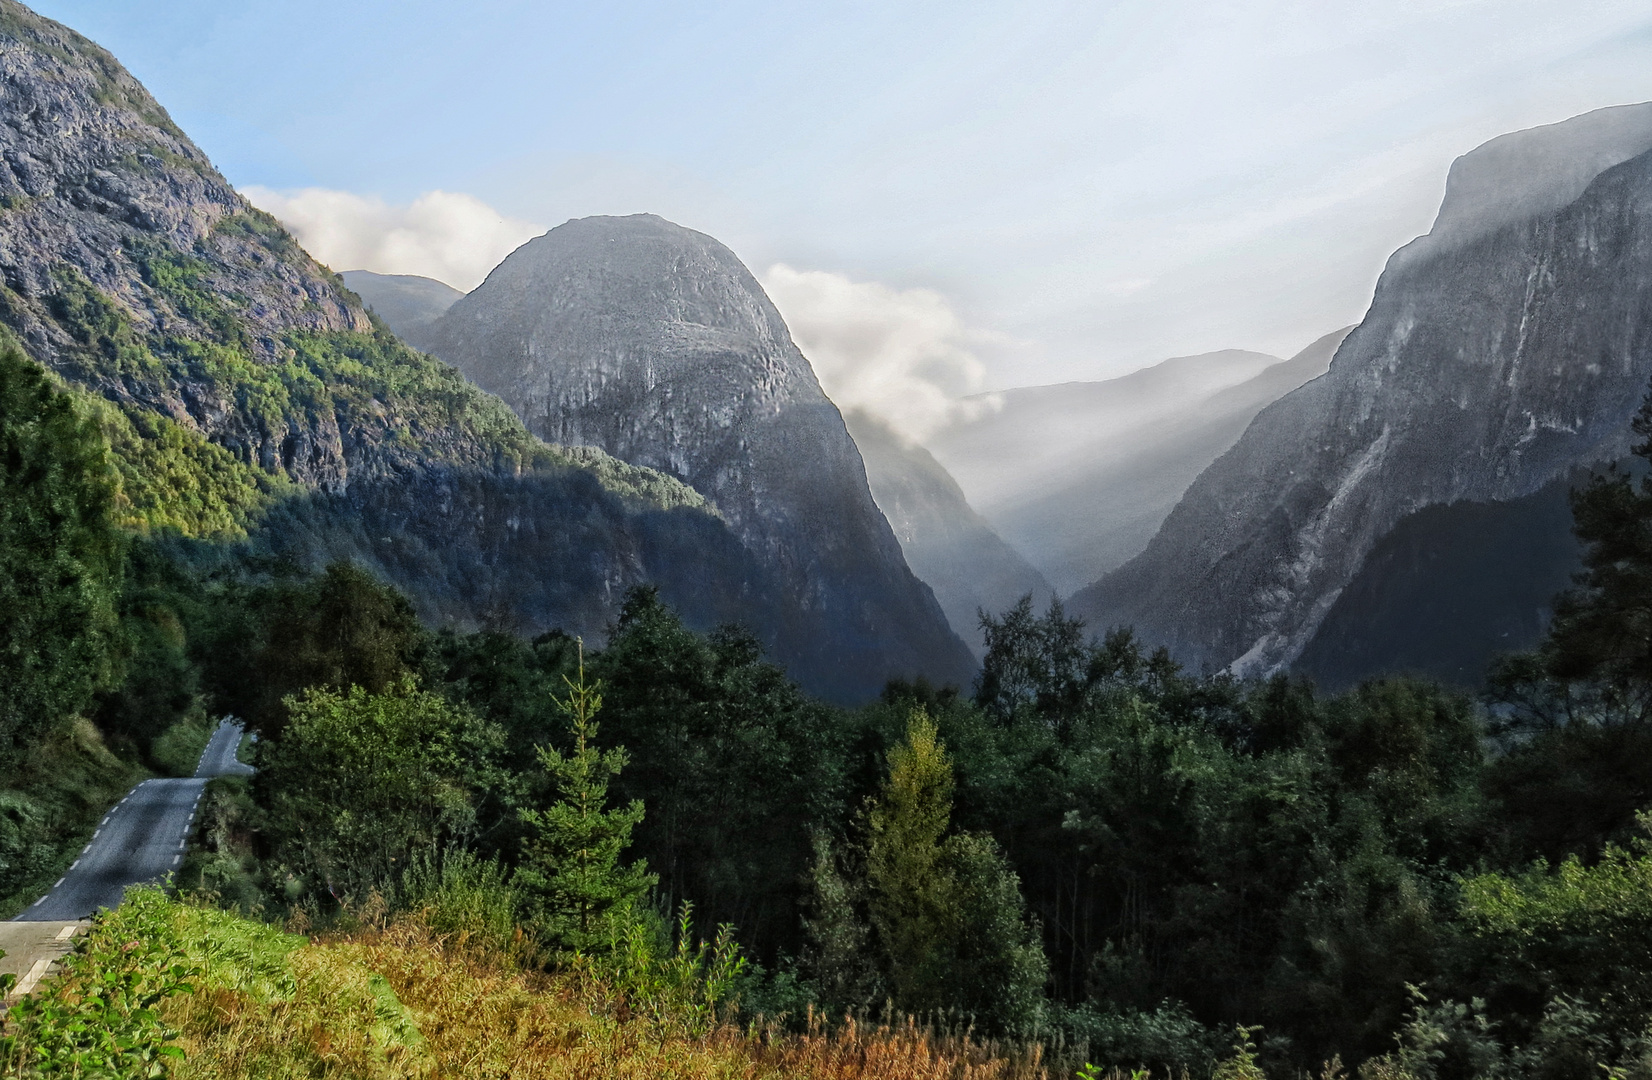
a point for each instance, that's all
(177, 751)
(393, 999)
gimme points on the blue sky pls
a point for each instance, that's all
(1086, 187)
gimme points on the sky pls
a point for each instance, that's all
(1049, 190)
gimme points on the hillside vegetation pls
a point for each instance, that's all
(660, 856)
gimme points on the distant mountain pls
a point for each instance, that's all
(1504, 350)
(946, 543)
(253, 409)
(407, 303)
(1078, 476)
(655, 344)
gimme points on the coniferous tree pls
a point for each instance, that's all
(572, 865)
(1602, 629)
(947, 910)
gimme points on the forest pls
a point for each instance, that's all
(1089, 849)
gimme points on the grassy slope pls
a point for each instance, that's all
(400, 1001)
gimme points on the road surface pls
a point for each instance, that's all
(141, 839)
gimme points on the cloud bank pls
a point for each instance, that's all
(902, 355)
(445, 235)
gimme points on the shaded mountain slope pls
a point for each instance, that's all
(946, 543)
(1447, 589)
(653, 343)
(1498, 355)
(407, 303)
(254, 405)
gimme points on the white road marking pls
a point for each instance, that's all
(67, 932)
(59, 882)
(34, 976)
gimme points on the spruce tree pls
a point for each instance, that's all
(572, 865)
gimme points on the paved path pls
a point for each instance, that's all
(141, 839)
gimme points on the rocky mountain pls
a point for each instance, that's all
(407, 303)
(253, 407)
(1502, 351)
(653, 343)
(1078, 476)
(946, 543)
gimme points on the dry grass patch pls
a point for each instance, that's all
(447, 1010)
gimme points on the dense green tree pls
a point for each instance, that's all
(1574, 929)
(1602, 629)
(161, 607)
(1577, 713)
(946, 910)
(60, 557)
(360, 782)
(583, 895)
(736, 765)
(340, 629)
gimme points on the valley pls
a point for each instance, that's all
(594, 671)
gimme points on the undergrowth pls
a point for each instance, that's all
(175, 988)
(49, 806)
(178, 749)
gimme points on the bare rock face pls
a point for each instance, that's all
(97, 188)
(1503, 350)
(655, 344)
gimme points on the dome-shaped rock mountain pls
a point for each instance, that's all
(655, 343)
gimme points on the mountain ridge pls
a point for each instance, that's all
(1483, 371)
(258, 412)
(1078, 476)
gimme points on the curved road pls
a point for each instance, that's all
(141, 839)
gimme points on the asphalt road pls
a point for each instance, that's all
(141, 839)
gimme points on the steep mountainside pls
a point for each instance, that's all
(1498, 355)
(654, 344)
(407, 303)
(253, 404)
(1079, 476)
(1447, 589)
(947, 544)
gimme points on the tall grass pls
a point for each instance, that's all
(394, 998)
(457, 1011)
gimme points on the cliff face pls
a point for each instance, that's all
(946, 543)
(654, 344)
(1501, 351)
(252, 403)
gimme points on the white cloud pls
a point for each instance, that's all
(902, 355)
(445, 235)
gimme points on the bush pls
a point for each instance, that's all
(100, 1016)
